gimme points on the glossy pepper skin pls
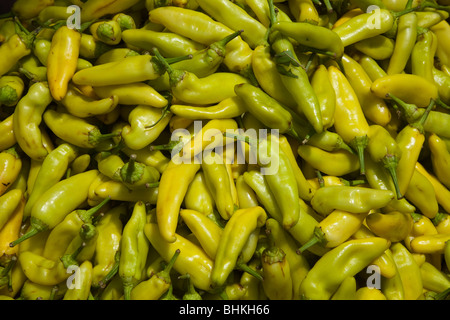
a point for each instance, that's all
(57, 202)
(361, 26)
(11, 89)
(383, 148)
(11, 163)
(218, 182)
(374, 108)
(277, 283)
(324, 91)
(62, 60)
(53, 167)
(364, 199)
(192, 259)
(235, 234)
(404, 43)
(349, 258)
(408, 270)
(171, 193)
(306, 34)
(421, 194)
(394, 225)
(440, 158)
(134, 249)
(157, 285)
(189, 23)
(28, 117)
(441, 191)
(354, 128)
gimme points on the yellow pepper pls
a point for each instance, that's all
(62, 60)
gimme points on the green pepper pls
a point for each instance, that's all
(164, 41)
(383, 148)
(277, 281)
(77, 131)
(52, 170)
(136, 174)
(312, 36)
(134, 249)
(266, 109)
(422, 55)
(28, 117)
(206, 61)
(11, 90)
(349, 198)
(404, 43)
(57, 202)
(218, 182)
(235, 234)
(336, 265)
(189, 88)
(236, 18)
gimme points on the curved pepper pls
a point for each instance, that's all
(82, 106)
(10, 231)
(157, 285)
(364, 26)
(217, 180)
(373, 107)
(11, 90)
(8, 203)
(171, 193)
(27, 119)
(205, 230)
(7, 137)
(265, 108)
(228, 108)
(235, 18)
(379, 47)
(393, 226)
(431, 243)
(132, 94)
(189, 23)
(235, 234)
(57, 202)
(346, 290)
(54, 166)
(62, 60)
(77, 131)
(163, 41)
(277, 281)
(440, 159)
(127, 70)
(192, 258)
(442, 193)
(307, 35)
(404, 43)
(335, 163)
(321, 84)
(327, 199)
(434, 279)
(335, 229)
(422, 55)
(339, 263)
(350, 122)
(407, 87)
(134, 249)
(145, 125)
(116, 190)
(10, 166)
(94, 9)
(269, 79)
(420, 193)
(82, 290)
(408, 270)
(383, 148)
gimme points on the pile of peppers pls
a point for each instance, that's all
(105, 106)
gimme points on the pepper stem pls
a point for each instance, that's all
(246, 268)
(442, 295)
(86, 215)
(165, 273)
(36, 227)
(220, 45)
(191, 293)
(390, 163)
(359, 145)
(411, 111)
(420, 123)
(70, 259)
(175, 75)
(317, 238)
(95, 137)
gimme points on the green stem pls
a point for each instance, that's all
(317, 238)
(320, 179)
(390, 162)
(102, 283)
(37, 226)
(86, 215)
(245, 267)
(191, 293)
(71, 259)
(359, 145)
